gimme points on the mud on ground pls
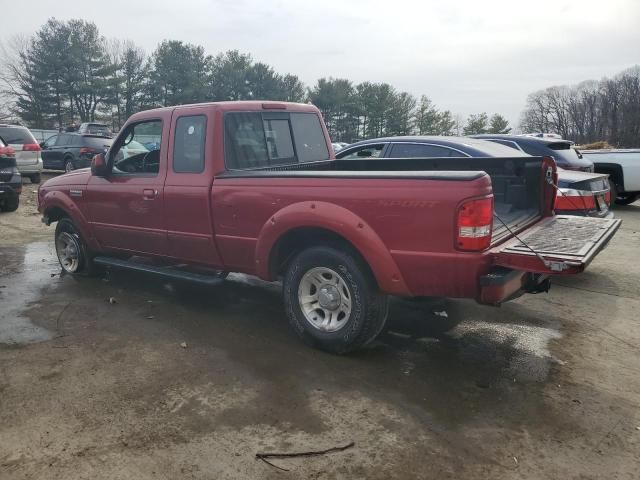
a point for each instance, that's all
(547, 386)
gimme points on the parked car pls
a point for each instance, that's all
(10, 179)
(623, 168)
(262, 194)
(579, 193)
(100, 129)
(69, 151)
(28, 158)
(561, 150)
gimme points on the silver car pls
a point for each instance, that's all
(28, 157)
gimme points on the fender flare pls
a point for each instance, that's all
(58, 199)
(340, 221)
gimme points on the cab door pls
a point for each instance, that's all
(126, 207)
(187, 190)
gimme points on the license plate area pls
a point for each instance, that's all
(565, 238)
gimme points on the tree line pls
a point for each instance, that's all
(67, 71)
(591, 111)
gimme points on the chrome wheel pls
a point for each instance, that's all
(68, 166)
(325, 299)
(68, 251)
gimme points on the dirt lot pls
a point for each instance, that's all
(547, 386)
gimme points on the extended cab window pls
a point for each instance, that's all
(409, 150)
(137, 150)
(188, 146)
(255, 139)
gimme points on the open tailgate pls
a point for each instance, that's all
(563, 244)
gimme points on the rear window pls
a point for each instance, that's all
(309, 136)
(16, 135)
(254, 139)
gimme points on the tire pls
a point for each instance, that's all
(35, 178)
(11, 204)
(69, 241)
(626, 198)
(68, 165)
(340, 280)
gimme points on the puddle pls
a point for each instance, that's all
(24, 271)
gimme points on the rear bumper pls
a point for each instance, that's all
(504, 284)
(30, 169)
(11, 188)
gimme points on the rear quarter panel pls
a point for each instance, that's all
(411, 222)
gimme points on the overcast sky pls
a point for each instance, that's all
(468, 56)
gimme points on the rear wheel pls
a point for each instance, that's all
(626, 198)
(68, 165)
(35, 178)
(72, 250)
(332, 301)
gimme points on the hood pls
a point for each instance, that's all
(582, 180)
(76, 177)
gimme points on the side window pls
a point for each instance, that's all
(62, 140)
(410, 150)
(77, 140)
(311, 145)
(137, 149)
(366, 151)
(51, 141)
(188, 144)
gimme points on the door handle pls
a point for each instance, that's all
(149, 193)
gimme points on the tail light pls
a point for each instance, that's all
(570, 199)
(31, 147)
(607, 197)
(7, 151)
(474, 224)
(88, 150)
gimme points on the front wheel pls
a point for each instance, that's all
(72, 250)
(11, 204)
(35, 178)
(332, 301)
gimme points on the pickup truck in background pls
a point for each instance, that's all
(623, 168)
(253, 187)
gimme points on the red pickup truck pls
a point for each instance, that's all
(253, 187)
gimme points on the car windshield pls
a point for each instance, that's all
(16, 135)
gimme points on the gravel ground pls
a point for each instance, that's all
(175, 381)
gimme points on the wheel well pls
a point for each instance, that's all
(298, 239)
(614, 171)
(54, 214)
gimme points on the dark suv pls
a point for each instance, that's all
(10, 179)
(562, 151)
(68, 151)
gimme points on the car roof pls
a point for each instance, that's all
(468, 145)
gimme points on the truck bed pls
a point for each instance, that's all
(516, 181)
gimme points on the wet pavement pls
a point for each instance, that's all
(179, 381)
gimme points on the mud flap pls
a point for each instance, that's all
(563, 244)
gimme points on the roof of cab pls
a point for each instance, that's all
(241, 105)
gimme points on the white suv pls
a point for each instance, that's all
(28, 158)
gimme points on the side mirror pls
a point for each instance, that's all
(99, 165)
(42, 145)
